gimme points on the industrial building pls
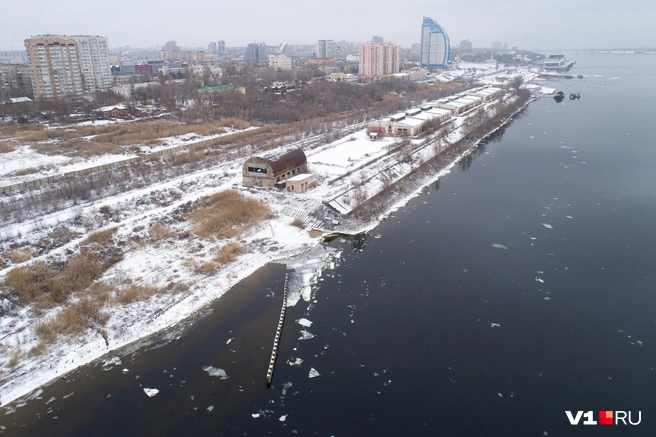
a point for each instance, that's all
(271, 171)
(416, 120)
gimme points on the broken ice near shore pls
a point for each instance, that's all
(213, 371)
(150, 391)
(313, 373)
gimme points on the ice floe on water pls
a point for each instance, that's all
(313, 373)
(210, 408)
(283, 418)
(547, 225)
(540, 280)
(499, 246)
(150, 391)
(306, 335)
(109, 364)
(297, 362)
(213, 371)
(230, 340)
(34, 395)
(286, 386)
(304, 322)
(495, 325)
(262, 413)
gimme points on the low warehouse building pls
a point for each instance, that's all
(301, 183)
(271, 171)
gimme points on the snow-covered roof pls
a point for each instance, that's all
(109, 108)
(439, 111)
(20, 99)
(426, 116)
(412, 122)
(301, 177)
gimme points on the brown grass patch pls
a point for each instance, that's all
(298, 223)
(158, 232)
(208, 268)
(25, 171)
(229, 252)
(177, 287)
(100, 238)
(6, 147)
(44, 286)
(134, 292)
(71, 321)
(227, 214)
(38, 350)
(19, 255)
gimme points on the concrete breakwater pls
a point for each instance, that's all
(276, 340)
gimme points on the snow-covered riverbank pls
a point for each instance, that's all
(171, 260)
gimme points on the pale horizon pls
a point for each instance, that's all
(560, 26)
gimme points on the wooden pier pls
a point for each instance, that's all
(276, 341)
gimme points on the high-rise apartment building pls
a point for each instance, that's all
(379, 59)
(326, 48)
(377, 39)
(435, 45)
(465, 45)
(220, 48)
(55, 68)
(93, 56)
(65, 67)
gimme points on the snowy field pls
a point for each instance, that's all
(25, 158)
(345, 154)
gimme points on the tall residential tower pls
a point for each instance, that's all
(65, 67)
(435, 45)
(55, 68)
(379, 59)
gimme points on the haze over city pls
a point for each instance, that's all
(557, 25)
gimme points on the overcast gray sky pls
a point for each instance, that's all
(543, 25)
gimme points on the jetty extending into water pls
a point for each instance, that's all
(276, 340)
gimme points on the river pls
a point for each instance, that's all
(516, 288)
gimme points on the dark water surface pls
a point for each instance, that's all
(547, 232)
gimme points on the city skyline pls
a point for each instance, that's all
(564, 25)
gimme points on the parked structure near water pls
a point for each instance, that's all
(270, 171)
